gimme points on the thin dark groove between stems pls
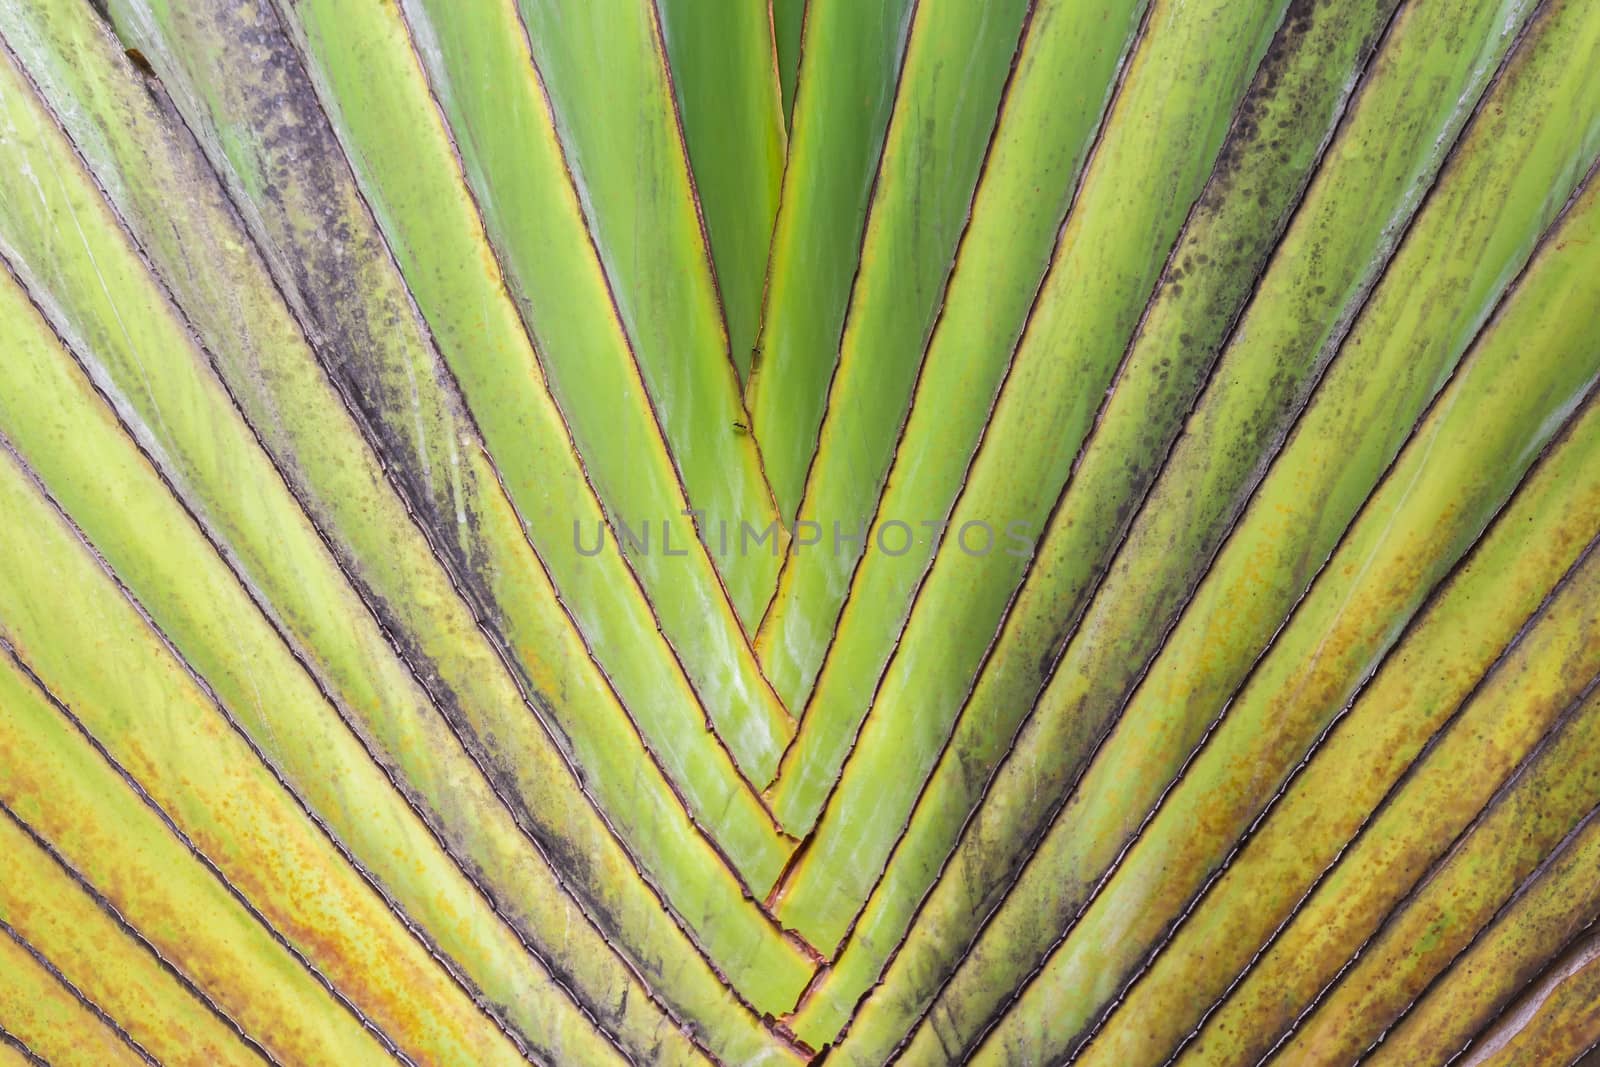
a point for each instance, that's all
(1584, 1057)
(480, 441)
(1561, 724)
(757, 357)
(1460, 563)
(422, 937)
(1526, 886)
(1206, 373)
(15, 1042)
(783, 184)
(1245, 497)
(983, 438)
(183, 839)
(658, 42)
(844, 327)
(1132, 45)
(255, 595)
(589, 227)
(459, 729)
(855, 274)
(110, 910)
(904, 419)
(7, 930)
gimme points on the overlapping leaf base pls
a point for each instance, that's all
(920, 531)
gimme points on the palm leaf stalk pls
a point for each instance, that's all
(661, 532)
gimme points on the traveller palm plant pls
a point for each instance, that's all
(916, 531)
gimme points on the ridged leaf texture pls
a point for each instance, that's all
(725, 531)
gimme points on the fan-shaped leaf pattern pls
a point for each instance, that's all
(661, 532)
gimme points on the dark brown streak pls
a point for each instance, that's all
(781, 1031)
(556, 737)
(782, 883)
(627, 340)
(811, 987)
(278, 775)
(1526, 886)
(336, 555)
(1505, 788)
(1205, 374)
(255, 596)
(216, 872)
(66, 983)
(127, 928)
(1330, 352)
